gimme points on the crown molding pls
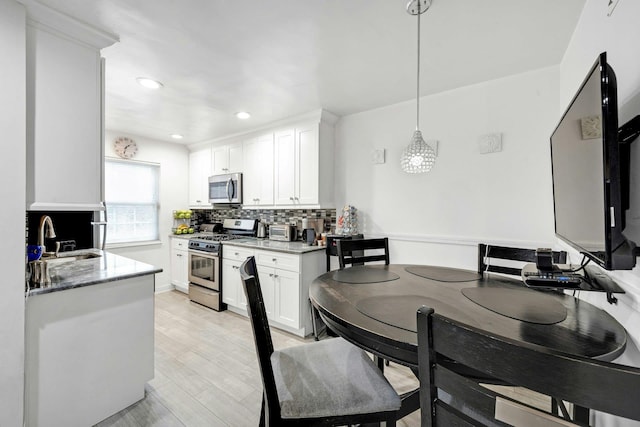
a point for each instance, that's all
(48, 19)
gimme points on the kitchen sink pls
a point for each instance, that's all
(78, 255)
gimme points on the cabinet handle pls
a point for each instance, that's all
(296, 199)
(271, 274)
(274, 259)
(180, 255)
(275, 276)
(197, 201)
(237, 253)
(235, 267)
(291, 198)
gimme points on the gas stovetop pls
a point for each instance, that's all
(234, 229)
(210, 243)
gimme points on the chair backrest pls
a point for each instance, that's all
(331, 249)
(261, 334)
(588, 383)
(353, 251)
(514, 254)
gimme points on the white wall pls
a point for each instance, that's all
(12, 214)
(618, 35)
(439, 217)
(174, 184)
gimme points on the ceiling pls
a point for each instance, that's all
(281, 58)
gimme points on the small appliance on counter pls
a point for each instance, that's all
(312, 229)
(309, 236)
(282, 232)
(262, 231)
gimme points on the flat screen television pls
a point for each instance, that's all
(591, 173)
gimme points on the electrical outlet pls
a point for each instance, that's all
(490, 143)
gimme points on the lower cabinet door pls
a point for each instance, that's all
(287, 298)
(179, 269)
(231, 285)
(267, 284)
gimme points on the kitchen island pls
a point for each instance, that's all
(89, 339)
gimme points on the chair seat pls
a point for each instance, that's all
(330, 377)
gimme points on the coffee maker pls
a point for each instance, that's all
(312, 229)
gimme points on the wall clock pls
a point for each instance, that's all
(125, 147)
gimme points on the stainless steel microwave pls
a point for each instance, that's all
(225, 188)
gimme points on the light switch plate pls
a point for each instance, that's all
(377, 156)
(490, 143)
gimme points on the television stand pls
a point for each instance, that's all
(562, 277)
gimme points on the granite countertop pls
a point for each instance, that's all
(275, 245)
(103, 267)
(188, 236)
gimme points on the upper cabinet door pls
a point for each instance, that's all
(258, 171)
(307, 170)
(199, 172)
(220, 160)
(64, 129)
(65, 88)
(235, 158)
(285, 166)
(226, 159)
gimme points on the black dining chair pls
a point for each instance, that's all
(447, 398)
(355, 252)
(488, 253)
(329, 382)
(331, 250)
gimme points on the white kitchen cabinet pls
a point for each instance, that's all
(281, 290)
(232, 291)
(307, 165)
(180, 264)
(227, 159)
(199, 173)
(281, 293)
(285, 166)
(258, 171)
(303, 165)
(64, 112)
(285, 280)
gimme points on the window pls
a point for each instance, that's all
(131, 193)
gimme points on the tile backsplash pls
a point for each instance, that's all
(267, 216)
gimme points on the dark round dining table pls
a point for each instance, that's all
(375, 307)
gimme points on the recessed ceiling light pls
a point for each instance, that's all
(176, 136)
(243, 115)
(149, 83)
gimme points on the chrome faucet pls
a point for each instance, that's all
(44, 221)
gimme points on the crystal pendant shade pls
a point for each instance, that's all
(418, 157)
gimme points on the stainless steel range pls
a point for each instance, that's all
(205, 276)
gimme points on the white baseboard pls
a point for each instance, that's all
(165, 287)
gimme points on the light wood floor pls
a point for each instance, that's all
(206, 371)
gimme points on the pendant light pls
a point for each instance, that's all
(418, 156)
